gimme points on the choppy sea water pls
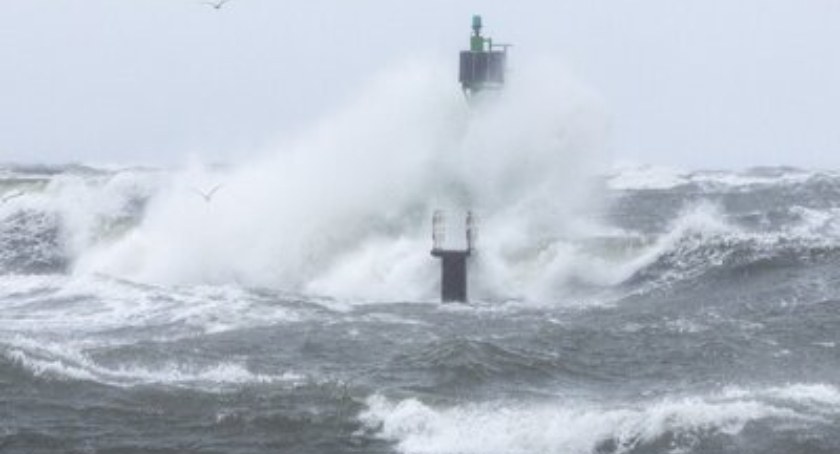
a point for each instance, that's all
(701, 315)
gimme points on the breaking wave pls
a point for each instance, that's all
(690, 424)
(147, 226)
(343, 210)
(57, 363)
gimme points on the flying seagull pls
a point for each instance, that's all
(207, 196)
(217, 4)
(11, 196)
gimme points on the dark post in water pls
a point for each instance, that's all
(453, 277)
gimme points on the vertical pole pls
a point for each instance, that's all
(454, 277)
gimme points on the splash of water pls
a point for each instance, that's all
(344, 209)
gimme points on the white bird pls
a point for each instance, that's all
(207, 196)
(11, 196)
(217, 4)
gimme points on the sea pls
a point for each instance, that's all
(285, 300)
(695, 312)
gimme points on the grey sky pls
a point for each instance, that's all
(711, 83)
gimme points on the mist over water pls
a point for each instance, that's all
(344, 209)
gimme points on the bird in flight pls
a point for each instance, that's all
(11, 196)
(217, 4)
(207, 196)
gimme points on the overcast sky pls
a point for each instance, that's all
(691, 83)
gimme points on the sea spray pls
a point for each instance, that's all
(345, 208)
(53, 218)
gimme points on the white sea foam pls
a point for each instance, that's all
(571, 427)
(626, 177)
(64, 361)
(637, 177)
(692, 228)
(13, 286)
(89, 307)
(815, 225)
(815, 395)
(701, 237)
(49, 324)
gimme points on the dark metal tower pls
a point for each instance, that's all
(483, 66)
